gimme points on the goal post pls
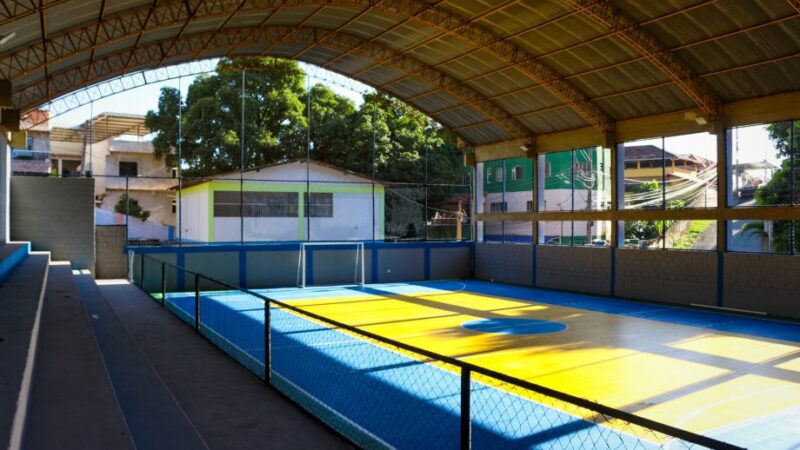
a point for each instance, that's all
(358, 264)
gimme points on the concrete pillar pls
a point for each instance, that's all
(5, 188)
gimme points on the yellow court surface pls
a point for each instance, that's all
(696, 370)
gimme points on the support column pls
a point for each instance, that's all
(535, 177)
(718, 128)
(5, 188)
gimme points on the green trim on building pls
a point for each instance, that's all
(210, 187)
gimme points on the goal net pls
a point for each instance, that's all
(354, 255)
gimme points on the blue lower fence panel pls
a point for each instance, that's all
(383, 397)
(374, 395)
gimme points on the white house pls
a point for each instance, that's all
(341, 205)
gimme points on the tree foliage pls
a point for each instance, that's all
(784, 186)
(133, 208)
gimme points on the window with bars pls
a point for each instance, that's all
(256, 204)
(319, 205)
(497, 207)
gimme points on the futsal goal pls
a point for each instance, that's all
(357, 248)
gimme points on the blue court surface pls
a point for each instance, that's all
(380, 396)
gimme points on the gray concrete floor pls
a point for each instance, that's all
(229, 407)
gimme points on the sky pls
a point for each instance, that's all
(145, 98)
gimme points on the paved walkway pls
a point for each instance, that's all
(228, 406)
(73, 405)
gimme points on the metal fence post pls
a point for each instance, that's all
(466, 420)
(267, 350)
(196, 302)
(141, 271)
(163, 284)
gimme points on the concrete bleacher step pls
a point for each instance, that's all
(154, 418)
(21, 297)
(11, 255)
(72, 403)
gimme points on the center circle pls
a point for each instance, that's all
(508, 325)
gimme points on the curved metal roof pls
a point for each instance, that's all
(491, 70)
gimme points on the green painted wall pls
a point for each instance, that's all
(560, 171)
(492, 185)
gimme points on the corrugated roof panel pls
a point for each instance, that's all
(712, 19)
(291, 16)
(602, 53)
(530, 100)
(642, 103)
(498, 82)
(74, 60)
(247, 19)
(406, 36)
(463, 116)
(351, 63)
(484, 134)
(331, 17)
(372, 24)
(199, 26)
(66, 16)
(519, 16)
(473, 64)
(160, 34)
(320, 55)
(410, 87)
(437, 100)
(282, 50)
(627, 76)
(26, 31)
(553, 120)
(442, 49)
(380, 75)
(742, 49)
(758, 81)
(641, 11)
(568, 31)
(116, 46)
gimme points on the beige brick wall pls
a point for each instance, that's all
(504, 263)
(766, 283)
(55, 215)
(579, 269)
(667, 276)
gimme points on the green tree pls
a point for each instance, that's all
(136, 210)
(783, 188)
(276, 129)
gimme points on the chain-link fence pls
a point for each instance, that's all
(332, 206)
(382, 393)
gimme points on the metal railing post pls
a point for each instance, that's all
(196, 302)
(141, 272)
(267, 350)
(466, 419)
(163, 284)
